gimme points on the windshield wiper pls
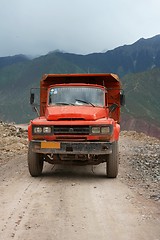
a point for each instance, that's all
(63, 103)
(79, 100)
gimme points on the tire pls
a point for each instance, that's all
(35, 162)
(113, 162)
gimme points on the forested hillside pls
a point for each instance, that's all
(142, 110)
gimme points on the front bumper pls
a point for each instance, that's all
(49, 147)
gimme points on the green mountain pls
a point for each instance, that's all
(7, 61)
(140, 56)
(142, 110)
(142, 95)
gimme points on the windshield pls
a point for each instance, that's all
(77, 96)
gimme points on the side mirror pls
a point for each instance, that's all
(122, 99)
(32, 98)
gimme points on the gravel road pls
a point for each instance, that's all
(70, 202)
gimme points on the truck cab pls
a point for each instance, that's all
(78, 122)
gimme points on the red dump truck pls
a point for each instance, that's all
(78, 122)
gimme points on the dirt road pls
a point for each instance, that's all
(77, 203)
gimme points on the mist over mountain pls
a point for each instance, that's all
(138, 65)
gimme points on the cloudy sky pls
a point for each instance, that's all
(35, 27)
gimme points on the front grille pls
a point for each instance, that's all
(71, 130)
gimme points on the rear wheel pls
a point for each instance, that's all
(113, 162)
(35, 162)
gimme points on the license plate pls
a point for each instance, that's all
(55, 145)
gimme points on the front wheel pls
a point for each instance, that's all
(35, 162)
(113, 162)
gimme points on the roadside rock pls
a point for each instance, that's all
(142, 168)
(13, 141)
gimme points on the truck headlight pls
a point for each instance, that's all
(95, 130)
(37, 129)
(47, 130)
(101, 130)
(42, 130)
(105, 130)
